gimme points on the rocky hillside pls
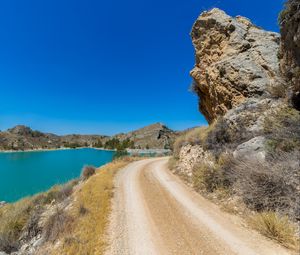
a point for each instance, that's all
(247, 80)
(156, 136)
(290, 48)
(24, 138)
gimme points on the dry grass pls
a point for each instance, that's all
(94, 196)
(13, 218)
(277, 228)
(195, 136)
(85, 216)
(58, 223)
(172, 162)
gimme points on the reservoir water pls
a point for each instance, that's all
(27, 173)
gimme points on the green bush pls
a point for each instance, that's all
(120, 154)
(116, 144)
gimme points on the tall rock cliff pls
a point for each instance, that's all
(251, 148)
(235, 60)
(290, 48)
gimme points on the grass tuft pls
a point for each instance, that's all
(277, 228)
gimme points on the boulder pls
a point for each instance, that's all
(254, 149)
(235, 60)
(189, 156)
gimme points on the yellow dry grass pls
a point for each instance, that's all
(91, 209)
(195, 136)
(13, 217)
(277, 228)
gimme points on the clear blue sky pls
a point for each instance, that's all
(94, 66)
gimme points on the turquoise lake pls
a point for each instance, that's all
(27, 173)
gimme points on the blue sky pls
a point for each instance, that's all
(93, 66)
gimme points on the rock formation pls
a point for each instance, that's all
(155, 136)
(235, 60)
(290, 48)
(238, 80)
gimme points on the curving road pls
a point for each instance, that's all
(155, 213)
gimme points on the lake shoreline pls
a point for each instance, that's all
(54, 149)
(26, 174)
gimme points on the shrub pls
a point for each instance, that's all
(98, 144)
(32, 227)
(271, 185)
(215, 174)
(283, 130)
(275, 227)
(279, 90)
(82, 210)
(58, 223)
(209, 177)
(225, 136)
(56, 193)
(120, 154)
(172, 162)
(8, 244)
(87, 172)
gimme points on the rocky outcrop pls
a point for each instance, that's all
(155, 136)
(290, 48)
(235, 60)
(190, 156)
(24, 138)
(254, 149)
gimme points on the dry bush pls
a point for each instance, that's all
(209, 177)
(32, 227)
(271, 185)
(214, 175)
(87, 172)
(58, 223)
(279, 90)
(82, 210)
(57, 193)
(283, 130)
(7, 244)
(223, 136)
(275, 227)
(172, 162)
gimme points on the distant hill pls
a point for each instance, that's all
(155, 136)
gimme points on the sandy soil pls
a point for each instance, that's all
(155, 213)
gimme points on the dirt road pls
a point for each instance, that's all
(155, 213)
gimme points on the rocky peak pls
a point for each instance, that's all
(20, 130)
(235, 60)
(157, 136)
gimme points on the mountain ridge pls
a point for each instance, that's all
(21, 137)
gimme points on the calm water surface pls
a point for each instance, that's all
(26, 173)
